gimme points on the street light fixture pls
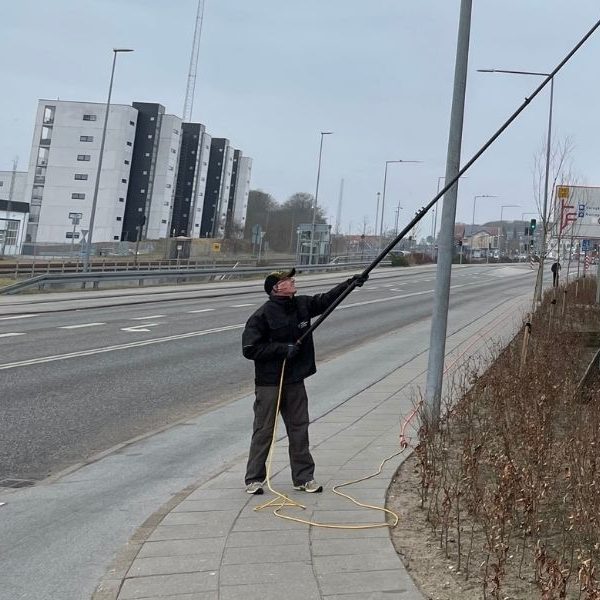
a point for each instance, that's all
(88, 245)
(501, 217)
(314, 215)
(473, 221)
(389, 162)
(540, 276)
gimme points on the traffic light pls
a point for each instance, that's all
(460, 243)
(532, 226)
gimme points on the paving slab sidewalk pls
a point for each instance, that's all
(209, 542)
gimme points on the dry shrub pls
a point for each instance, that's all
(510, 478)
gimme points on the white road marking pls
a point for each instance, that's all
(17, 317)
(371, 287)
(80, 326)
(139, 328)
(127, 346)
(242, 305)
(147, 318)
(10, 334)
(201, 310)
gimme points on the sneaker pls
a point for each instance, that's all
(255, 487)
(312, 487)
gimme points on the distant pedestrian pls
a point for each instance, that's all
(555, 268)
(270, 337)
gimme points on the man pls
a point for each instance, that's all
(270, 338)
(555, 268)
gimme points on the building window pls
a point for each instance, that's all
(49, 112)
(152, 118)
(196, 225)
(86, 138)
(89, 117)
(126, 162)
(176, 131)
(140, 209)
(171, 168)
(116, 237)
(147, 155)
(119, 218)
(144, 172)
(168, 186)
(165, 204)
(77, 196)
(164, 221)
(149, 136)
(39, 179)
(132, 123)
(142, 191)
(84, 157)
(123, 180)
(81, 176)
(173, 151)
(129, 144)
(121, 199)
(1, 183)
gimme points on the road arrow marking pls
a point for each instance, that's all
(139, 328)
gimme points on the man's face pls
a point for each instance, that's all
(285, 287)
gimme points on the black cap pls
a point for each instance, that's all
(273, 278)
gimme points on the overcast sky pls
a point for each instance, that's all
(273, 74)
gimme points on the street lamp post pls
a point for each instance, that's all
(314, 215)
(501, 220)
(473, 220)
(88, 246)
(540, 276)
(377, 213)
(388, 162)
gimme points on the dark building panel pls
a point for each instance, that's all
(213, 185)
(143, 161)
(237, 154)
(186, 178)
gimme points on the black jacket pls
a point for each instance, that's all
(277, 323)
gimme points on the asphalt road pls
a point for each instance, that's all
(75, 383)
(68, 394)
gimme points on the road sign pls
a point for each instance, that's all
(586, 245)
(578, 210)
(216, 247)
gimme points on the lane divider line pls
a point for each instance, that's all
(201, 310)
(80, 326)
(18, 317)
(147, 318)
(127, 346)
(2, 335)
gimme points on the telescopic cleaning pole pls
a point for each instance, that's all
(448, 184)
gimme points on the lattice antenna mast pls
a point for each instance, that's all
(191, 82)
(338, 218)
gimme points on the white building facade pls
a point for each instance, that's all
(241, 193)
(63, 167)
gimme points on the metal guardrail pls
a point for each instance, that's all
(179, 275)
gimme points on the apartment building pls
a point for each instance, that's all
(14, 212)
(238, 195)
(188, 203)
(63, 166)
(153, 173)
(218, 187)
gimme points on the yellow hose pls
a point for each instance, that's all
(281, 500)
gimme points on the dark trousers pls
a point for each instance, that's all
(555, 278)
(294, 410)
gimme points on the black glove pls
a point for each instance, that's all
(292, 351)
(359, 279)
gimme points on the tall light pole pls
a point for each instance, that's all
(314, 214)
(473, 221)
(540, 276)
(377, 213)
(387, 163)
(501, 220)
(439, 320)
(88, 246)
